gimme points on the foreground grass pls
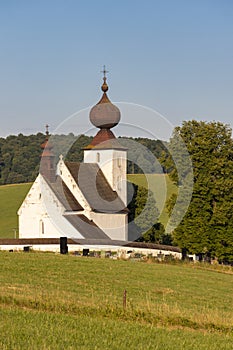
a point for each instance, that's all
(161, 186)
(44, 331)
(50, 301)
(11, 197)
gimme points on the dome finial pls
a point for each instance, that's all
(104, 87)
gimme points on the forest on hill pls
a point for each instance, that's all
(20, 155)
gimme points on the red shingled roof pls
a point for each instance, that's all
(105, 139)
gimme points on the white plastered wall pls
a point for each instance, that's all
(41, 214)
(114, 225)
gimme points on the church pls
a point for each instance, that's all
(86, 201)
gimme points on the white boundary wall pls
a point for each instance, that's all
(121, 251)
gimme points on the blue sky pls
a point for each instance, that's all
(173, 56)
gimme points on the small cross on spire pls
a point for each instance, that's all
(104, 71)
(104, 87)
(47, 129)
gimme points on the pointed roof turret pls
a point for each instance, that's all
(45, 145)
(47, 158)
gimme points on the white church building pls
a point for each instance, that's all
(84, 201)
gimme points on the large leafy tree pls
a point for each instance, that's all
(207, 226)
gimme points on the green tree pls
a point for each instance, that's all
(143, 159)
(156, 234)
(208, 224)
(143, 218)
(75, 153)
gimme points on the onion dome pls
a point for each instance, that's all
(105, 115)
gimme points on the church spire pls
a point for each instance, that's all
(47, 158)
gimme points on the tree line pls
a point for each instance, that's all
(20, 155)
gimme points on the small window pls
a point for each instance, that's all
(42, 227)
(97, 157)
(119, 160)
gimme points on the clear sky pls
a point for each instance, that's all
(174, 56)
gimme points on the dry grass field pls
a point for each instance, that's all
(50, 301)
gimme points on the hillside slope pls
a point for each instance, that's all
(11, 197)
(161, 186)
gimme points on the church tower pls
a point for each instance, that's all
(105, 149)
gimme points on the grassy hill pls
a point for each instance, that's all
(161, 186)
(11, 197)
(50, 301)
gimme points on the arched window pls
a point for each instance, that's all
(97, 157)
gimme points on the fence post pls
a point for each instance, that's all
(124, 299)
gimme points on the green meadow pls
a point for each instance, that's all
(50, 301)
(162, 188)
(11, 197)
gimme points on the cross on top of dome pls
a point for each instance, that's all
(47, 129)
(104, 71)
(104, 87)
